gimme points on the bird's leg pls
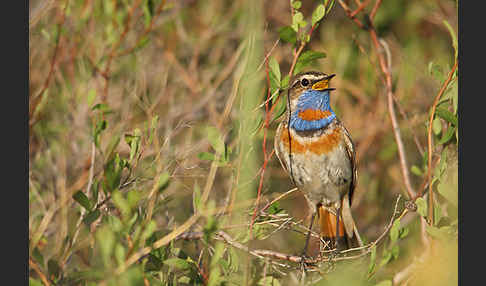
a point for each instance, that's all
(338, 212)
(304, 251)
(309, 233)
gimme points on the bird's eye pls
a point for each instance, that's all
(304, 82)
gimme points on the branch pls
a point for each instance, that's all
(384, 66)
(145, 32)
(115, 46)
(39, 272)
(36, 100)
(265, 253)
(429, 140)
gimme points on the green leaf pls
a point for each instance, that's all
(385, 283)
(447, 135)
(163, 181)
(446, 115)
(106, 243)
(287, 34)
(148, 230)
(148, 10)
(403, 232)
(153, 128)
(394, 231)
(33, 282)
(421, 206)
(436, 71)
(91, 96)
(306, 59)
(453, 36)
(416, 170)
(134, 142)
(206, 156)
(437, 214)
(100, 126)
(436, 126)
(234, 259)
(297, 21)
(178, 263)
(279, 109)
(296, 4)
(91, 217)
(104, 108)
(210, 228)
(113, 170)
(448, 185)
(215, 139)
(121, 203)
(387, 256)
(395, 251)
(285, 82)
(274, 74)
(115, 223)
(119, 253)
(372, 264)
(83, 200)
(196, 198)
(219, 250)
(330, 5)
(455, 99)
(114, 141)
(133, 197)
(274, 208)
(318, 14)
(37, 255)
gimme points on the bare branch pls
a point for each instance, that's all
(429, 140)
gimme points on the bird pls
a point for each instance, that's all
(317, 152)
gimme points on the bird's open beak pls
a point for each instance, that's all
(323, 84)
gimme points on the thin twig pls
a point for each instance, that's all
(39, 272)
(375, 9)
(264, 253)
(384, 66)
(36, 100)
(83, 210)
(391, 111)
(348, 12)
(360, 8)
(115, 46)
(429, 141)
(265, 156)
(278, 198)
(145, 32)
(179, 230)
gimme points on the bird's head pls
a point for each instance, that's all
(310, 82)
(309, 100)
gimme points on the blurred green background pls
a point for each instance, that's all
(146, 112)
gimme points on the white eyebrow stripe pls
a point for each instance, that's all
(310, 77)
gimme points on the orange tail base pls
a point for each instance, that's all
(332, 230)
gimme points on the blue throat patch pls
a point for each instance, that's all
(312, 99)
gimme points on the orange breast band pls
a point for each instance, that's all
(325, 144)
(314, 114)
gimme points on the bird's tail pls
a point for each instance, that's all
(338, 233)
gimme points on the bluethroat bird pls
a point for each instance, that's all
(316, 150)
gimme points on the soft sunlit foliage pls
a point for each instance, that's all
(151, 140)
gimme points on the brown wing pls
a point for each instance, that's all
(277, 147)
(352, 158)
(280, 153)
